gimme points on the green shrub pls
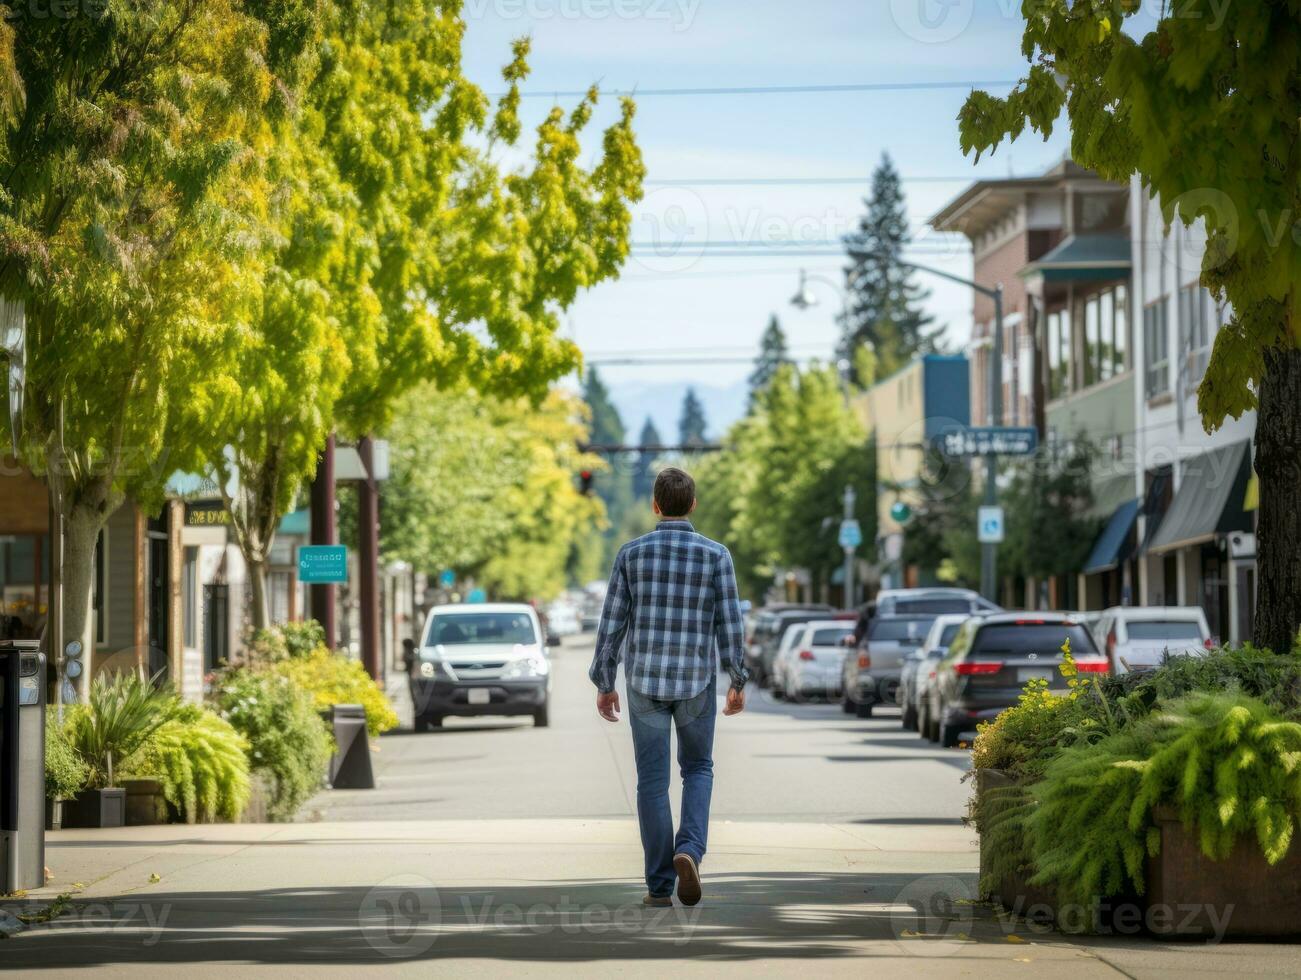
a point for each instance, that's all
(65, 771)
(1274, 678)
(332, 679)
(120, 715)
(1229, 765)
(283, 641)
(202, 763)
(286, 736)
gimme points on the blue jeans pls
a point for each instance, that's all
(651, 721)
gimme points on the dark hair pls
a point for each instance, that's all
(675, 492)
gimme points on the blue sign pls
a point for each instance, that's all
(851, 535)
(989, 525)
(477, 595)
(988, 441)
(321, 564)
(447, 579)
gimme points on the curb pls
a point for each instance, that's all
(10, 925)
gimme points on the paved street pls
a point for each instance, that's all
(496, 849)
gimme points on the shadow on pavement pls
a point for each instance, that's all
(743, 917)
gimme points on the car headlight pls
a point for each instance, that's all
(428, 668)
(533, 666)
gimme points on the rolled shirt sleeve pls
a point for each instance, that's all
(729, 629)
(614, 624)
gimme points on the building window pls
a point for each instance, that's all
(1092, 340)
(1120, 340)
(1200, 319)
(1059, 353)
(1156, 321)
(190, 598)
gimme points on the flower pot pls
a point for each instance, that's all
(53, 814)
(145, 803)
(1009, 887)
(1188, 894)
(96, 808)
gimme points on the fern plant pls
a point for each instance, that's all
(121, 714)
(202, 764)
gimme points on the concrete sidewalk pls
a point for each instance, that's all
(550, 897)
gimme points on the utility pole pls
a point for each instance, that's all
(988, 551)
(851, 499)
(368, 558)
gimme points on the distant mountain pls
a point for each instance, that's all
(662, 401)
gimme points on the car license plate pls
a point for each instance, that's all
(1026, 674)
(478, 695)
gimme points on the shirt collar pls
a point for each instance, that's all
(674, 524)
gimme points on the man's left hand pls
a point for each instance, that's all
(608, 705)
(735, 701)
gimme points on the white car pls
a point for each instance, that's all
(480, 659)
(563, 619)
(1138, 637)
(810, 664)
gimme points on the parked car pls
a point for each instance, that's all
(563, 619)
(809, 666)
(870, 672)
(991, 659)
(919, 666)
(1139, 637)
(770, 627)
(481, 659)
(931, 601)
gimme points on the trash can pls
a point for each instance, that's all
(350, 767)
(22, 765)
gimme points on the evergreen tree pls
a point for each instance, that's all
(692, 424)
(772, 355)
(607, 426)
(643, 481)
(884, 303)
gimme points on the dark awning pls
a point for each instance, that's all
(1209, 501)
(1085, 257)
(1109, 550)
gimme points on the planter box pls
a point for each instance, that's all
(53, 814)
(145, 803)
(1188, 894)
(96, 808)
(1012, 889)
(259, 800)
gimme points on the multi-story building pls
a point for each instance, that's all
(905, 412)
(1195, 527)
(1059, 246)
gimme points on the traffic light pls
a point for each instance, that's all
(585, 483)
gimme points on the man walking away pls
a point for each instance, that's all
(672, 599)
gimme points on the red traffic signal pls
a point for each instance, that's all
(585, 482)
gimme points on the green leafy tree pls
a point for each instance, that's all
(1207, 115)
(124, 219)
(772, 355)
(692, 424)
(939, 540)
(884, 303)
(406, 252)
(1049, 529)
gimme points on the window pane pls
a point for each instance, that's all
(1092, 341)
(1054, 354)
(1107, 330)
(1120, 352)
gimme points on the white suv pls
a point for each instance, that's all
(480, 659)
(1138, 637)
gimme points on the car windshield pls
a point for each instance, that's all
(1017, 639)
(485, 627)
(1164, 630)
(900, 630)
(936, 606)
(830, 637)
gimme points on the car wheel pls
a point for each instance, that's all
(910, 718)
(949, 736)
(542, 717)
(427, 722)
(863, 709)
(846, 705)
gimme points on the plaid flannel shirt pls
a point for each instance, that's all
(672, 600)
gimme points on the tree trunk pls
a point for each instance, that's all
(257, 582)
(1278, 464)
(82, 525)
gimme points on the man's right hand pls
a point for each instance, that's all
(608, 705)
(735, 701)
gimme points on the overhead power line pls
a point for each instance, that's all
(640, 93)
(812, 180)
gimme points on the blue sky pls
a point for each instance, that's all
(683, 301)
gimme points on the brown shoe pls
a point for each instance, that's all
(658, 901)
(688, 878)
